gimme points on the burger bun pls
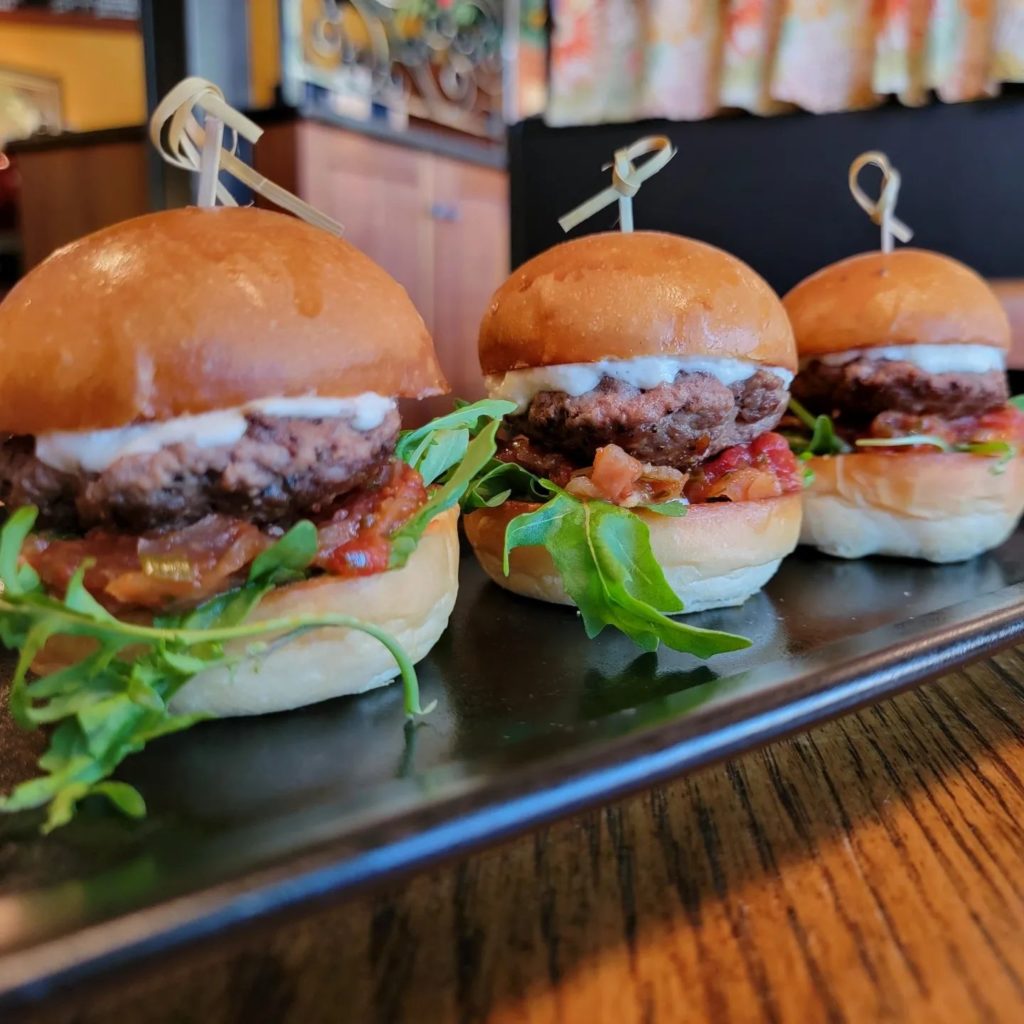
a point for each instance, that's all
(715, 556)
(906, 297)
(626, 295)
(941, 507)
(412, 604)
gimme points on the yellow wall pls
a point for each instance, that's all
(264, 51)
(101, 70)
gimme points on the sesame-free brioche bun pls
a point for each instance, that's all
(622, 295)
(191, 310)
(412, 604)
(906, 297)
(715, 556)
(942, 506)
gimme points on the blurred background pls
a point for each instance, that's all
(448, 135)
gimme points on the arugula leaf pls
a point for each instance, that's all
(291, 555)
(478, 454)
(116, 699)
(1004, 450)
(498, 481)
(823, 440)
(1018, 402)
(444, 449)
(675, 509)
(603, 555)
(911, 440)
(439, 445)
(17, 578)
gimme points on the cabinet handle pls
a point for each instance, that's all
(447, 212)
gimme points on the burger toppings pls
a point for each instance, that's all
(162, 570)
(906, 404)
(680, 423)
(523, 452)
(1005, 423)
(765, 468)
(356, 540)
(116, 699)
(112, 702)
(693, 436)
(625, 481)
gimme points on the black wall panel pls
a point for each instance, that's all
(774, 190)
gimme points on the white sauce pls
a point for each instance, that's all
(644, 372)
(95, 450)
(930, 358)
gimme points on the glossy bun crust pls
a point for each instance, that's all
(191, 310)
(906, 297)
(618, 296)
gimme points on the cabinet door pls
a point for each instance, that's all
(471, 246)
(439, 226)
(380, 193)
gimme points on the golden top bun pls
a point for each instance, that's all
(191, 310)
(906, 297)
(619, 296)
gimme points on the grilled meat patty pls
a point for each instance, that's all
(858, 390)
(281, 469)
(679, 424)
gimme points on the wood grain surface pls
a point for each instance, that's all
(870, 870)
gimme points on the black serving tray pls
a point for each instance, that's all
(248, 817)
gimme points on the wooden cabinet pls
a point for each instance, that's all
(68, 189)
(438, 225)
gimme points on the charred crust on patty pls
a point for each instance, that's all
(680, 424)
(283, 468)
(862, 387)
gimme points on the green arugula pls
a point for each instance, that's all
(1003, 451)
(672, 509)
(117, 699)
(435, 448)
(908, 441)
(603, 555)
(452, 451)
(498, 481)
(823, 439)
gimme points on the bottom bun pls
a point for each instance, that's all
(942, 507)
(412, 604)
(715, 556)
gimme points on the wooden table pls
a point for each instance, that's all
(870, 870)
